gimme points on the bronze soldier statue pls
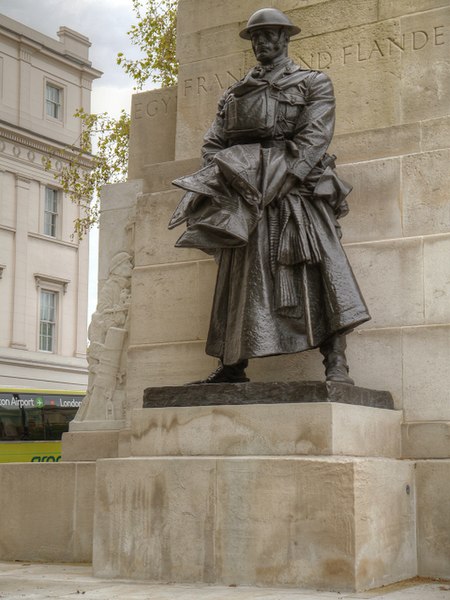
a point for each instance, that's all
(266, 203)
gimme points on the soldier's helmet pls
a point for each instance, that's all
(268, 17)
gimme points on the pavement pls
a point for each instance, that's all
(20, 580)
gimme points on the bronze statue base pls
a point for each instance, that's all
(209, 394)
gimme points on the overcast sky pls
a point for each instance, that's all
(105, 23)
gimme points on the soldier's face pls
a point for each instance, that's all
(268, 43)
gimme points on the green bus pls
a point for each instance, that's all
(32, 423)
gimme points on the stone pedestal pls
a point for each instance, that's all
(331, 523)
(299, 493)
(265, 430)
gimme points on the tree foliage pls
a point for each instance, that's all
(155, 35)
(84, 174)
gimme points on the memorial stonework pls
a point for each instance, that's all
(338, 490)
(389, 65)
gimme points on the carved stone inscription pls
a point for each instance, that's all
(213, 82)
(344, 55)
(159, 107)
(374, 49)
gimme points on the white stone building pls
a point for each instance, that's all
(43, 271)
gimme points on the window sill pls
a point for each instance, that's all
(49, 238)
(54, 121)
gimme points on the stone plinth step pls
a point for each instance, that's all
(333, 523)
(306, 428)
(265, 393)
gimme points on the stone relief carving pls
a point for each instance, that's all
(108, 331)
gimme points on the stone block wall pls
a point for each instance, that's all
(389, 62)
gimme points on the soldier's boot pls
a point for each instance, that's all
(335, 361)
(226, 374)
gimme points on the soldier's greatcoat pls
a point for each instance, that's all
(266, 204)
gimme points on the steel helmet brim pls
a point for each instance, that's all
(292, 30)
(268, 17)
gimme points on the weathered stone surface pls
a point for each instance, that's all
(426, 439)
(426, 372)
(426, 181)
(394, 8)
(47, 511)
(375, 359)
(390, 275)
(61, 580)
(265, 521)
(437, 279)
(433, 521)
(425, 83)
(385, 504)
(365, 69)
(375, 201)
(161, 510)
(171, 303)
(210, 42)
(159, 364)
(89, 445)
(435, 133)
(279, 392)
(152, 131)
(124, 447)
(266, 429)
(154, 242)
(196, 15)
(377, 143)
(159, 177)
(317, 19)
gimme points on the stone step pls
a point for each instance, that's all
(266, 429)
(335, 523)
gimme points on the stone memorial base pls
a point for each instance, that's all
(263, 419)
(335, 523)
(304, 493)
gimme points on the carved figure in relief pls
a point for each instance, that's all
(266, 203)
(107, 334)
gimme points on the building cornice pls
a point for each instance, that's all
(34, 41)
(25, 358)
(43, 144)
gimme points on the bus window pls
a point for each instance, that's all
(36, 414)
(56, 421)
(35, 429)
(11, 427)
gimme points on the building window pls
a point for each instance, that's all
(50, 211)
(53, 101)
(47, 321)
